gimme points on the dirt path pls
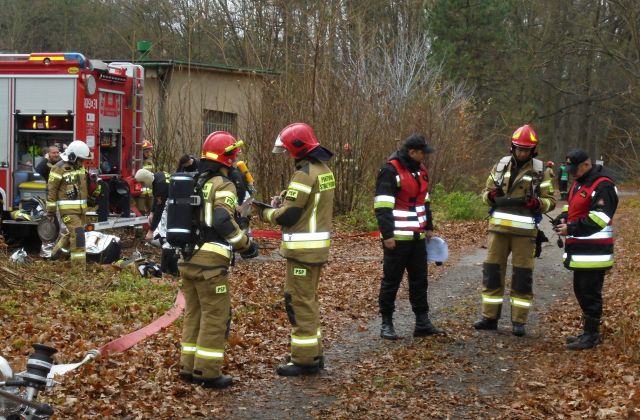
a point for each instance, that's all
(486, 366)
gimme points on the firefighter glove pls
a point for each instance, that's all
(532, 204)
(251, 252)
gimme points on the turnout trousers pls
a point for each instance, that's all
(303, 310)
(522, 250)
(587, 286)
(410, 256)
(73, 240)
(207, 317)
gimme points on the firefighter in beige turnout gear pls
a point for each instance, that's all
(306, 220)
(67, 193)
(518, 191)
(204, 275)
(144, 202)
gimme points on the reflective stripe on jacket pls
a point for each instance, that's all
(67, 189)
(593, 252)
(409, 204)
(310, 194)
(530, 181)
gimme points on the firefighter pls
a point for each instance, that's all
(147, 156)
(549, 170)
(518, 192)
(67, 192)
(563, 180)
(204, 275)
(586, 221)
(52, 157)
(306, 219)
(404, 219)
(142, 194)
(159, 185)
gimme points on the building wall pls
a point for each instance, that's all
(176, 123)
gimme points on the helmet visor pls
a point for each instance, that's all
(278, 146)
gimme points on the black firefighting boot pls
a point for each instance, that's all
(591, 336)
(573, 338)
(218, 382)
(424, 327)
(386, 328)
(293, 369)
(186, 376)
(518, 329)
(485, 323)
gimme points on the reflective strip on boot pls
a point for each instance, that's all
(304, 341)
(188, 348)
(492, 300)
(209, 354)
(521, 303)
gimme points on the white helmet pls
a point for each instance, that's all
(144, 176)
(76, 150)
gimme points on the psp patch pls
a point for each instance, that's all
(299, 271)
(291, 195)
(326, 181)
(230, 202)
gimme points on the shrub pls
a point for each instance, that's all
(456, 205)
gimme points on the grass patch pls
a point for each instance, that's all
(127, 296)
(456, 205)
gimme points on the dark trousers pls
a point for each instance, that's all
(587, 285)
(412, 257)
(563, 189)
(103, 202)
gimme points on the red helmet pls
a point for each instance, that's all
(222, 147)
(146, 144)
(550, 164)
(524, 137)
(298, 139)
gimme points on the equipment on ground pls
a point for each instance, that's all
(18, 392)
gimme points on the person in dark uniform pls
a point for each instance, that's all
(404, 218)
(587, 222)
(44, 167)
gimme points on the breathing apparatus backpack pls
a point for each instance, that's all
(183, 212)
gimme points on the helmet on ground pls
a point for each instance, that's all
(76, 150)
(550, 164)
(146, 144)
(221, 147)
(298, 139)
(524, 137)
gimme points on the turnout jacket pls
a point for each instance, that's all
(519, 183)
(593, 200)
(402, 199)
(67, 189)
(219, 231)
(306, 213)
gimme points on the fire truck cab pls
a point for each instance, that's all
(54, 98)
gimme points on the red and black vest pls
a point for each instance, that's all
(594, 252)
(409, 210)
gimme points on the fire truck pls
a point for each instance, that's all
(54, 98)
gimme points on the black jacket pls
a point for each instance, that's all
(604, 200)
(386, 184)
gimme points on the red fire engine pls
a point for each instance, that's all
(55, 98)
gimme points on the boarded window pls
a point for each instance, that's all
(219, 121)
